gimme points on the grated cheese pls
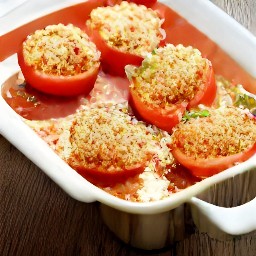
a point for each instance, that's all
(154, 187)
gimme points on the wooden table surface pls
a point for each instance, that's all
(38, 218)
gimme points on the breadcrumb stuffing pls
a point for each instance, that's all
(109, 140)
(169, 75)
(226, 131)
(60, 50)
(128, 27)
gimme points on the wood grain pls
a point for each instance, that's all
(241, 10)
(38, 218)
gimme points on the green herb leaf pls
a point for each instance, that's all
(244, 98)
(154, 52)
(195, 114)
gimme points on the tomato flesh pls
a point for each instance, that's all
(81, 83)
(207, 167)
(147, 3)
(113, 61)
(164, 119)
(207, 94)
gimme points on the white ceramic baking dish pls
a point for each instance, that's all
(145, 225)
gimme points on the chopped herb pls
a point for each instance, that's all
(27, 97)
(244, 99)
(21, 94)
(253, 111)
(195, 114)
(154, 52)
(145, 65)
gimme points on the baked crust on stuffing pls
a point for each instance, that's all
(128, 27)
(60, 50)
(226, 131)
(170, 75)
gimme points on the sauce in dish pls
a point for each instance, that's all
(113, 136)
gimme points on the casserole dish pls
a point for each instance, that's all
(138, 219)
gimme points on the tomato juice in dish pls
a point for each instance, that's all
(56, 119)
(34, 105)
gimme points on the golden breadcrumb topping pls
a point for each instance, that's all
(109, 140)
(128, 27)
(226, 131)
(169, 75)
(60, 50)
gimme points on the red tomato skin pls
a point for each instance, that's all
(208, 94)
(113, 61)
(108, 178)
(207, 167)
(164, 119)
(147, 3)
(58, 85)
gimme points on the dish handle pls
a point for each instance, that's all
(220, 222)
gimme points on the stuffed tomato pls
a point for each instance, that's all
(211, 144)
(107, 146)
(169, 81)
(124, 33)
(59, 60)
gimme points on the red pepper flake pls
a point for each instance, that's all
(76, 50)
